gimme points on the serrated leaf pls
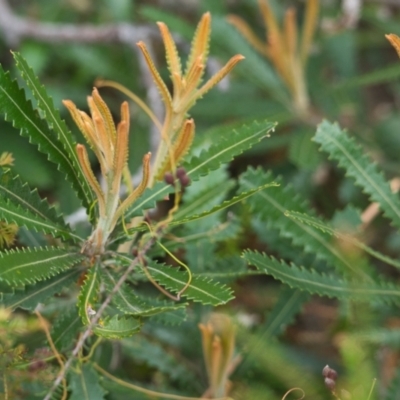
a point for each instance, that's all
(225, 148)
(20, 205)
(360, 167)
(149, 199)
(222, 151)
(270, 206)
(19, 193)
(201, 289)
(129, 303)
(205, 193)
(20, 112)
(325, 227)
(172, 317)
(321, 284)
(227, 203)
(85, 384)
(29, 297)
(65, 329)
(88, 296)
(26, 266)
(111, 328)
(118, 327)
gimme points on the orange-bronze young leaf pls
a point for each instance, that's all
(394, 41)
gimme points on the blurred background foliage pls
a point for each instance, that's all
(352, 76)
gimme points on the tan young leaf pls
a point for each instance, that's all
(172, 56)
(309, 26)
(200, 42)
(394, 41)
(166, 96)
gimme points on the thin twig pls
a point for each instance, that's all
(146, 246)
(16, 28)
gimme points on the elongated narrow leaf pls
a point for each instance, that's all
(89, 295)
(222, 151)
(111, 328)
(19, 111)
(225, 148)
(157, 356)
(27, 266)
(325, 227)
(19, 193)
(118, 327)
(290, 303)
(321, 284)
(360, 167)
(65, 329)
(228, 203)
(201, 289)
(129, 303)
(20, 205)
(85, 384)
(205, 193)
(149, 199)
(29, 297)
(270, 206)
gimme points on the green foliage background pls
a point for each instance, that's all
(286, 332)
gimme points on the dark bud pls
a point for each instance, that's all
(135, 252)
(37, 366)
(184, 180)
(330, 373)
(169, 178)
(180, 172)
(330, 384)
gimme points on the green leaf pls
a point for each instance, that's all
(270, 206)
(65, 329)
(88, 296)
(129, 303)
(205, 193)
(321, 284)
(290, 303)
(20, 112)
(222, 151)
(84, 384)
(24, 207)
(157, 356)
(228, 203)
(325, 227)
(148, 199)
(31, 296)
(201, 289)
(118, 327)
(225, 148)
(26, 266)
(360, 167)
(303, 152)
(110, 328)
(171, 318)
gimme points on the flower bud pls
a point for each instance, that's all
(169, 178)
(330, 373)
(330, 384)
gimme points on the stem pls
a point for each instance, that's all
(146, 246)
